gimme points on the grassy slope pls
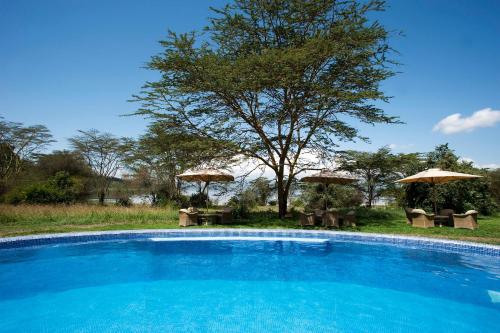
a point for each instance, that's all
(23, 220)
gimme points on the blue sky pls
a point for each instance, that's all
(73, 64)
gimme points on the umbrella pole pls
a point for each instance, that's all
(325, 196)
(434, 199)
(206, 201)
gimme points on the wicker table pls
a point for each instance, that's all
(208, 218)
(442, 220)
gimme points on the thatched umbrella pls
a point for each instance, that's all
(436, 176)
(207, 176)
(326, 178)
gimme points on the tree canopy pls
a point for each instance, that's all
(274, 80)
(19, 144)
(377, 171)
(104, 154)
(161, 154)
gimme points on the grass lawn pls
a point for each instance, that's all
(25, 220)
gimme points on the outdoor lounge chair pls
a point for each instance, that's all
(408, 215)
(467, 220)
(331, 219)
(188, 217)
(349, 219)
(226, 215)
(421, 219)
(307, 219)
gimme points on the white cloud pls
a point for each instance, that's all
(455, 123)
(490, 166)
(397, 146)
(482, 166)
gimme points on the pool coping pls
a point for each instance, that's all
(345, 236)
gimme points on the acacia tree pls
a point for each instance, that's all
(161, 154)
(274, 79)
(263, 190)
(19, 144)
(104, 154)
(377, 171)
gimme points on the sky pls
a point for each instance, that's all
(74, 64)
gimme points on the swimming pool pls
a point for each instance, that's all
(246, 281)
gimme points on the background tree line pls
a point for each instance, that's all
(148, 166)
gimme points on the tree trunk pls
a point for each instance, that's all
(370, 198)
(371, 191)
(282, 196)
(101, 198)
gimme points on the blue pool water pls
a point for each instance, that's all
(150, 285)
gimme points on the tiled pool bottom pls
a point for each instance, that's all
(246, 281)
(399, 240)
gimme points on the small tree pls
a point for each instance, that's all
(19, 144)
(104, 154)
(377, 171)
(159, 155)
(263, 190)
(275, 79)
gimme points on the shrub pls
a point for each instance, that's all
(14, 197)
(242, 203)
(240, 210)
(198, 199)
(315, 196)
(58, 189)
(123, 201)
(42, 194)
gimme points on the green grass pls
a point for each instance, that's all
(24, 220)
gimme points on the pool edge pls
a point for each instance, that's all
(409, 241)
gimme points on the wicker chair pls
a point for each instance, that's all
(349, 219)
(421, 219)
(226, 215)
(307, 219)
(408, 215)
(331, 219)
(188, 217)
(467, 220)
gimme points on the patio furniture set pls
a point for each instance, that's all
(331, 217)
(327, 219)
(192, 216)
(446, 217)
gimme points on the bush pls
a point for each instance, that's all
(14, 197)
(242, 203)
(123, 201)
(58, 189)
(181, 201)
(240, 210)
(42, 194)
(316, 196)
(198, 199)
